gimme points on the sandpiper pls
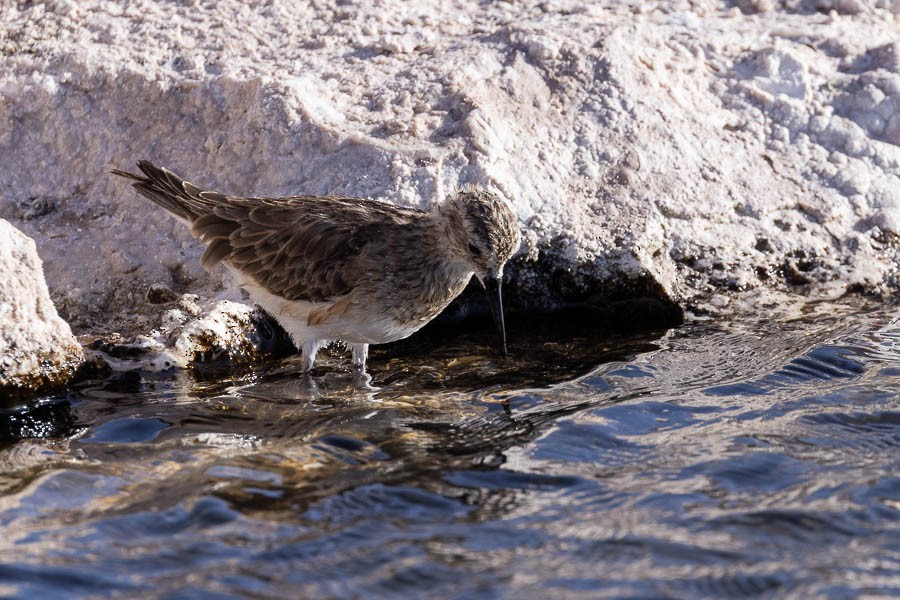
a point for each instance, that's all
(332, 268)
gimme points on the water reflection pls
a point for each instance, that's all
(739, 459)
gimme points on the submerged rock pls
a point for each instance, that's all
(37, 349)
(688, 153)
(193, 334)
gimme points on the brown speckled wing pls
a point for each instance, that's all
(302, 248)
(312, 248)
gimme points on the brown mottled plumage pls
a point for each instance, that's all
(335, 268)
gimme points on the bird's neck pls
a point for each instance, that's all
(446, 227)
(442, 273)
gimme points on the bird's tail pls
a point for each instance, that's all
(181, 198)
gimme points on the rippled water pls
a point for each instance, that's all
(757, 458)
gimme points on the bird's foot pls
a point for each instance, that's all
(362, 380)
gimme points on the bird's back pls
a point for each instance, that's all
(307, 248)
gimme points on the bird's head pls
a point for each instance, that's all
(483, 233)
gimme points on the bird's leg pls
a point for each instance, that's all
(360, 354)
(361, 379)
(309, 350)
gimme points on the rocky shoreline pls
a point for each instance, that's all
(677, 155)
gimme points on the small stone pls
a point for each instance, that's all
(868, 98)
(887, 108)
(842, 7)
(887, 57)
(892, 130)
(752, 7)
(872, 122)
(818, 123)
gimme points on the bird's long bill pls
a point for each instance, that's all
(495, 299)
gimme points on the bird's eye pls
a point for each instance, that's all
(475, 250)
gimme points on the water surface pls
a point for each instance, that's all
(756, 458)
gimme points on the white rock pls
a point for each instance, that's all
(37, 349)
